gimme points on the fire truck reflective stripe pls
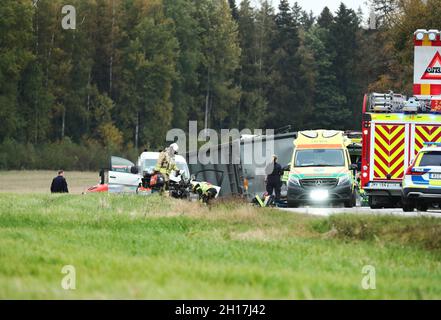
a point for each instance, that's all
(427, 89)
(389, 149)
(386, 132)
(394, 165)
(426, 134)
(379, 172)
(388, 145)
(393, 155)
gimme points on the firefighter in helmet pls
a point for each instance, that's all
(166, 163)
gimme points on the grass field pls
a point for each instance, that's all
(153, 247)
(40, 181)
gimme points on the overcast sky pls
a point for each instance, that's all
(317, 5)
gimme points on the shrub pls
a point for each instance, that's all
(88, 156)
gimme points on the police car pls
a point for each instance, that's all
(421, 186)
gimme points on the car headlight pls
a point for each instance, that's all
(319, 195)
(343, 180)
(293, 181)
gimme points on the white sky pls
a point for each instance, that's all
(317, 5)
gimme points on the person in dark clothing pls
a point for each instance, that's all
(273, 178)
(59, 184)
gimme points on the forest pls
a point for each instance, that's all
(133, 69)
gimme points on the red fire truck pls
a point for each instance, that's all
(395, 127)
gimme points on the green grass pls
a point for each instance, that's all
(153, 247)
(39, 181)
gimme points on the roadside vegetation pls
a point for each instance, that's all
(153, 247)
(252, 64)
(39, 181)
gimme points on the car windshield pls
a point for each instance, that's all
(120, 164)
(319, 158)
(432, 158)
(148, 165)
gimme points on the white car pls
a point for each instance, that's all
(125, 177)
(147, 162)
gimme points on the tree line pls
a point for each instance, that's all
(133, 69)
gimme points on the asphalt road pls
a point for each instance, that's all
(323, 211)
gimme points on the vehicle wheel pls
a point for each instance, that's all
(373, 204)
(422, 207)
(408, 207)
(351, 202)
(292, 204)
(354, 198)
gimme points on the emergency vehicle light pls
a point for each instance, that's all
(432, 144)
(419, 34)
(432, 34)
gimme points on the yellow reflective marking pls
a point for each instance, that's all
(378, 174)
(397, 136)
(432, 118)
(385, 144)
(426, 42)
(425, 89)
(436, 183)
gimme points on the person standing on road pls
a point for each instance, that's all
(59, 184)
(273, 178)
(166, 163)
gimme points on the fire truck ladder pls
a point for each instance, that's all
(392, 102)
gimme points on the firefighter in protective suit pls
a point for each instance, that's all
(166, 163)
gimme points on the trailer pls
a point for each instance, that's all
(242, 178)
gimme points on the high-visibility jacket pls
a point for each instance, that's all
(205, 190)
(166, 164)
(203, 187)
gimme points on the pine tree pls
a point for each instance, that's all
(221, 54)
(285, 103)
(252, 106)
(185, 86)
(330, 106)
(307, 20)
(344, 40)
(149, 71)
(233, 8)
(15, 55)
(325, 19)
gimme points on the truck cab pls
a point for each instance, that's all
(321, 171)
